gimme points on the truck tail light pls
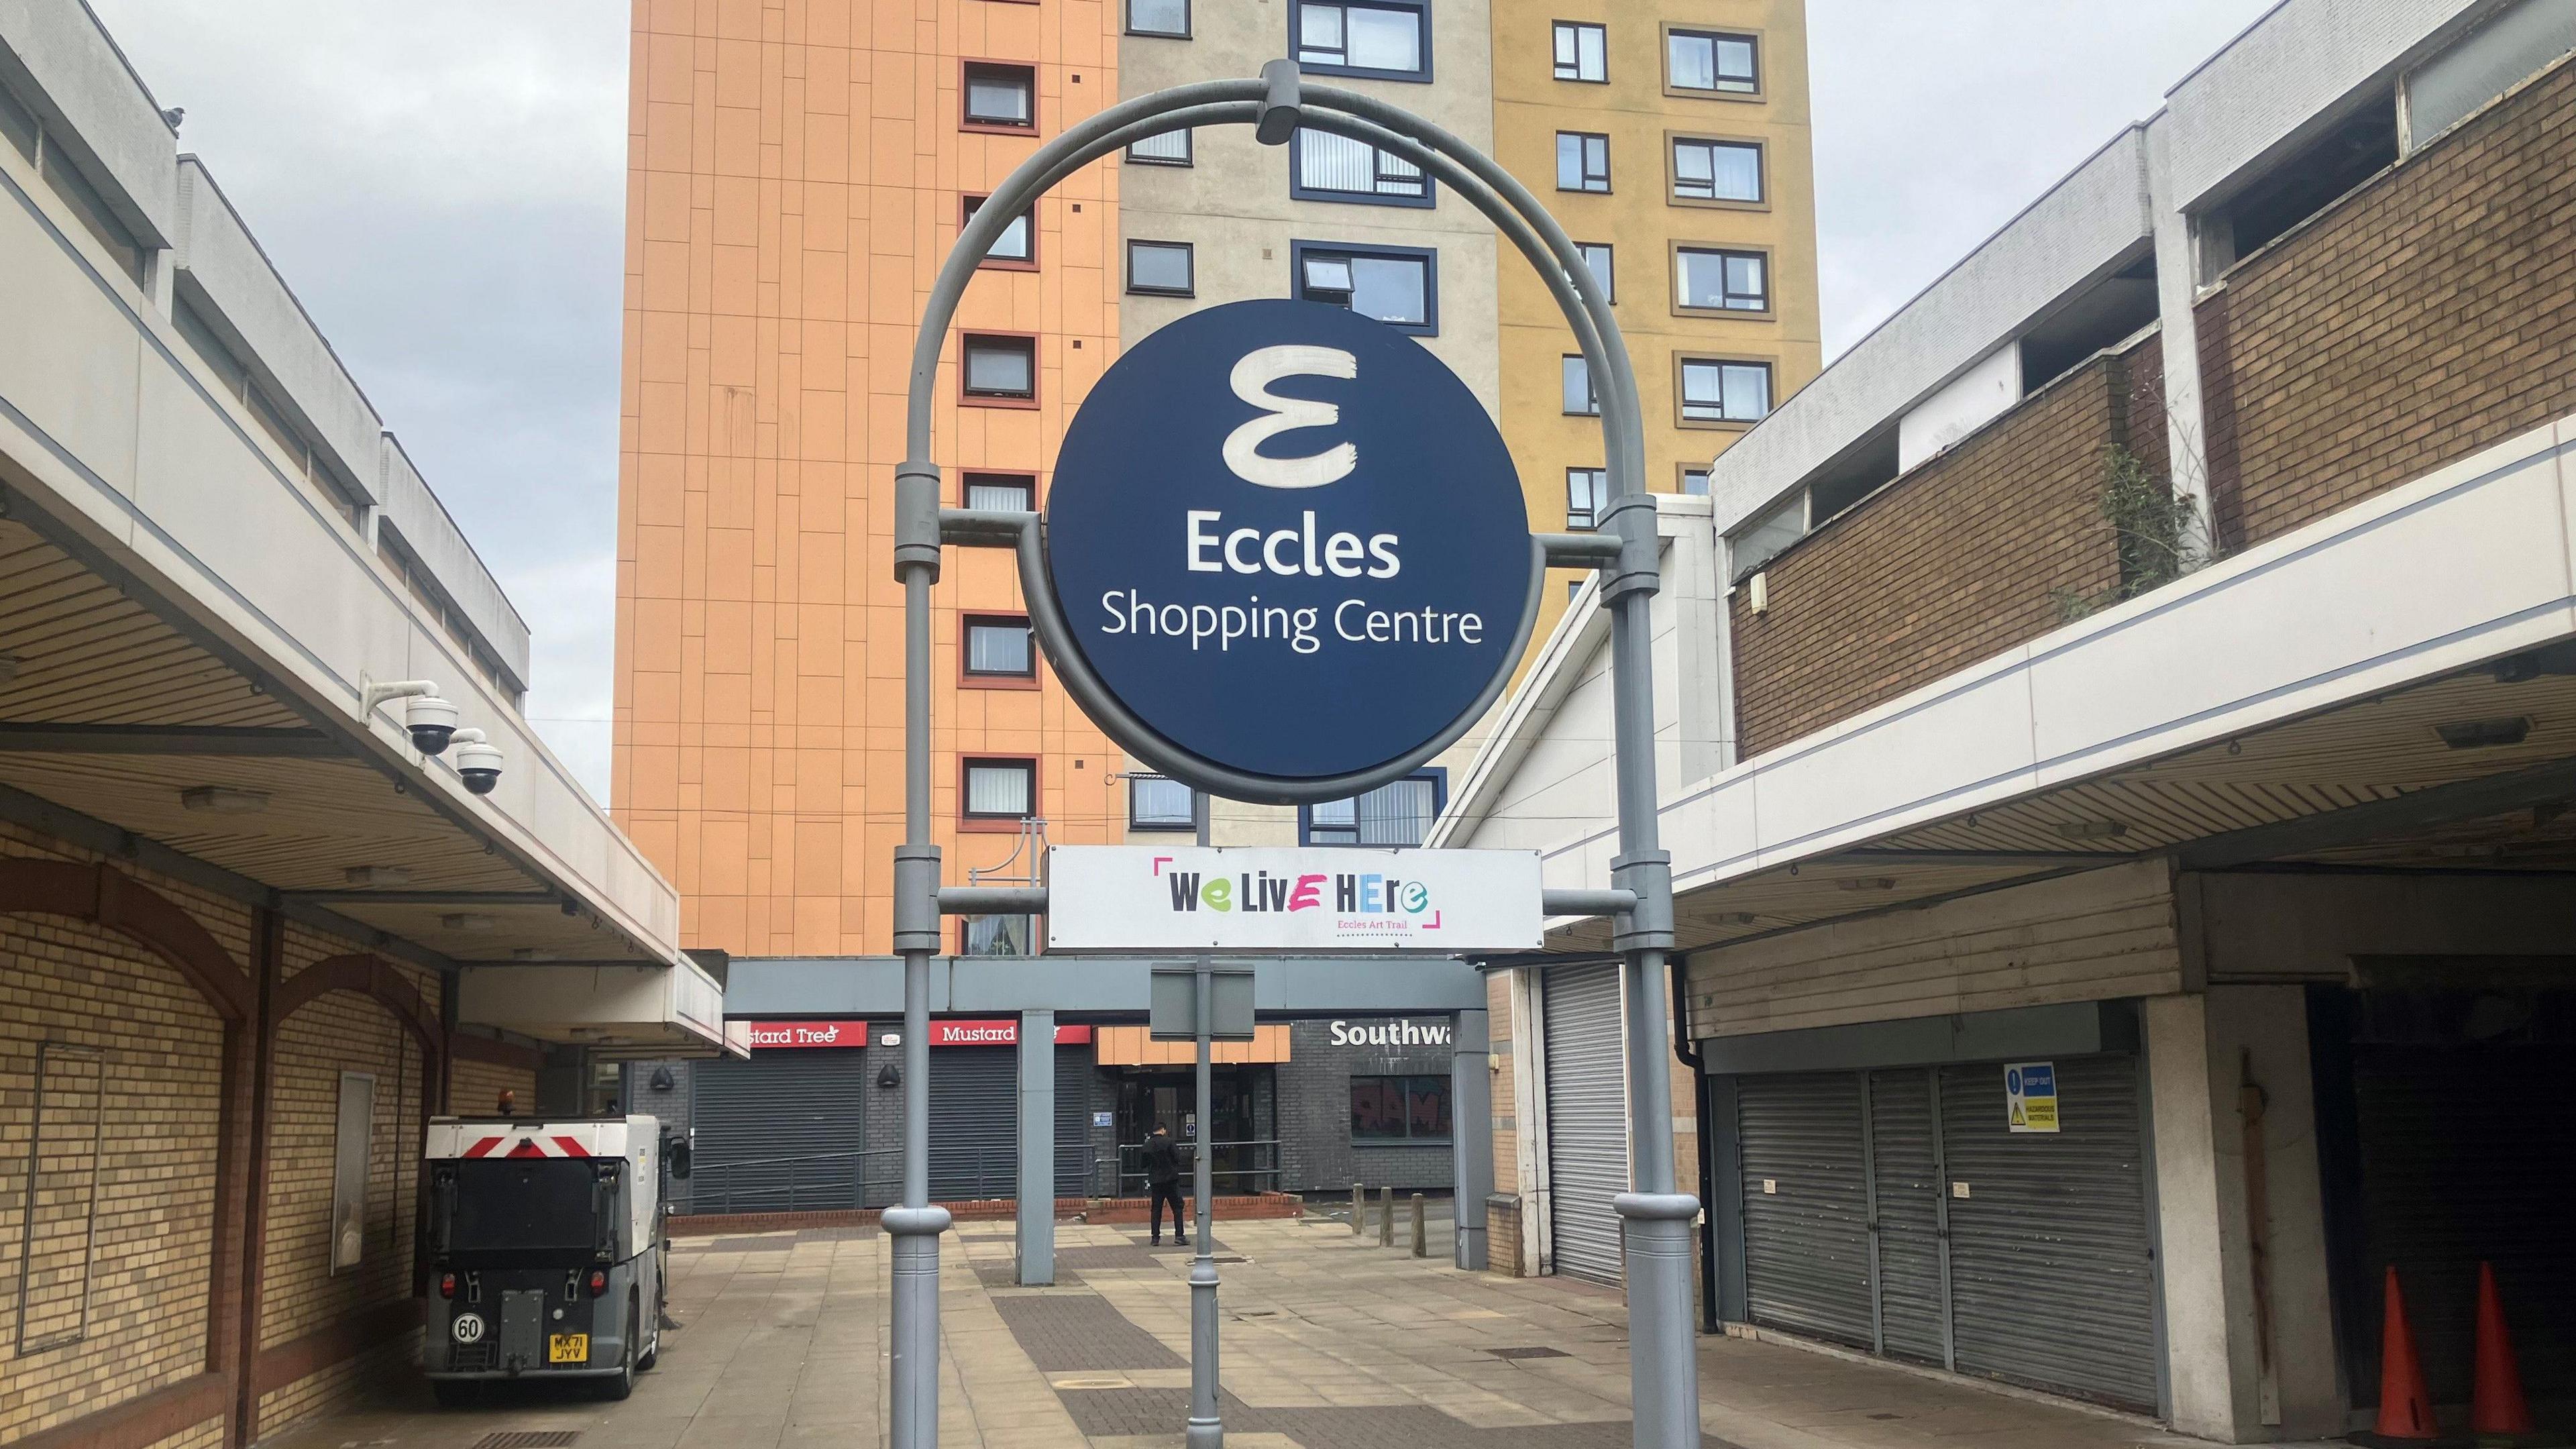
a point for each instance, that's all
(598, 1282)
(446, 1285)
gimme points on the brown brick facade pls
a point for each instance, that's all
(2430, 314)
(1966, 556)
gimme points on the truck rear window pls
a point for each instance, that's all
(522, 1203)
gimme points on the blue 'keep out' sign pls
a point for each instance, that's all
(1289, 540)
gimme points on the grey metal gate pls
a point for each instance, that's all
(1072, 1121)
(1587, 1119)
(1806, 1204)
(974, 1123)
(780, 1132)
(1906, 1218)
(2051, 1279)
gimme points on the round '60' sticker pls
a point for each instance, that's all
(468, 1328)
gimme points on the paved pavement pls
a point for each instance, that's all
(1331, 1342)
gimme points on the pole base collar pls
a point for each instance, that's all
(915, 1222)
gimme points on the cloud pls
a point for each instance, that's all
(443, 186)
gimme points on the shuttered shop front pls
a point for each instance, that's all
(780, 1132)
(1587, 1119)
(974, 1122)
(1896, 1210)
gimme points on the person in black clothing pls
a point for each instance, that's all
(1163, 1180)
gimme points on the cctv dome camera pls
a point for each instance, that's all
(479, 765)
(432, 722)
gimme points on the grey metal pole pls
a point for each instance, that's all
(913, 1374)
(1036, 1185)
(1207, 1426)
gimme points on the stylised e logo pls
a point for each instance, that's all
(1251, 381)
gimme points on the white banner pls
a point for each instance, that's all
(1183, 897)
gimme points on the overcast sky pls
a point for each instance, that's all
(443, 185)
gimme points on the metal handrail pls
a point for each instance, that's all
(1272, 1172)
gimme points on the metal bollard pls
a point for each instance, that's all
(1359, 1209)
(1421, 1247)
(1386, 1217)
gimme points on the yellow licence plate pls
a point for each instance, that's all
(568, 1348)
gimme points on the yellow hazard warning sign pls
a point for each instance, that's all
(2030, 1096)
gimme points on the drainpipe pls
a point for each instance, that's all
(1686, 1047)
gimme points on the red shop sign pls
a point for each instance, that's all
(769, 1034)
(1000, 1032)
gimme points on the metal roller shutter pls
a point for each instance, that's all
(974, 1123)
(1906, 1187)
(1587, 1119)
(2051, 1284)
(1072, 1121)
(1806, 1238)
(796, 1117)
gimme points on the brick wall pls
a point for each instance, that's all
(474, 1088)
(1960, 559)
(161, 1063)
(2427, 316)
(1315, 1146)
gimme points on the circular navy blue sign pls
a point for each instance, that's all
(1289, 540)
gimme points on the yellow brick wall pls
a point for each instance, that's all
(208, 1435)
(337, 1386)
(64, 981)
(474, 1088)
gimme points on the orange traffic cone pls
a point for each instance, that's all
(2405, 1407)
(2498, 1406)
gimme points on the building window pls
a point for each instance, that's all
(999, 646)
(1326, 167)
(1582, 51)
(1723, 172)
(1161, 269)
(1001, 369)
(1003, 96)
(1159, 17)
(1398, 286)
(1587, 494)
(1400, 1109)
(997, 935)
(352, 1150)
(1362, 37)
(1172, 148)
(1397, 813)
(1016, 249)
(1582, 161)
(1580, 400)
(1159, 802)
(1596, 255)
(1002, 492)
(1710, 63)
(1694, 481)
(1724, 392)
(1706, 280)
(1001, 790)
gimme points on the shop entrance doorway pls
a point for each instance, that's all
(1243, 1099)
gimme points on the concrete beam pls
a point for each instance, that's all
(1036, 1241)
(1289, 986)
(234, 741)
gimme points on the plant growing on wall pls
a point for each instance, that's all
(2155, 532)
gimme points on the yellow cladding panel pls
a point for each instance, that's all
(1134, 1046)
(1641, 107)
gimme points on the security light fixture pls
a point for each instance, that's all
(467, 921)
(223, 800)
(2478, 734)
(364, 877)
(2093, 829)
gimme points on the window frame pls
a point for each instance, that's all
(1187, 249)
(1683, 471)
(967, 66)
(966, 208)
(969, 677)
(1298, 251)
(991, 477)
(1557, 29)
(1761, 149)
(1664, 57)
(965, 936)
(1610, 253)
(1438, 775)
(971, 823)
(1681, 402)
(1189, 23)
(1298, 190)
(1189, 151)
(1566, 362)
(1601, 489)
(1421, 10)
(967, 396)
(1770, 282)
(1448, 1088)
(1156, 826)
(1586, 189)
